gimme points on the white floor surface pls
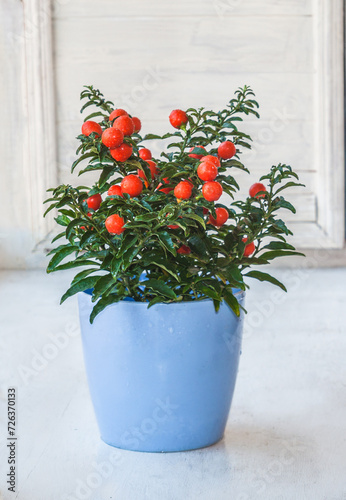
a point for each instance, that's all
(286, 435)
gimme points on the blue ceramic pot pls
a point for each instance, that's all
(161, 379)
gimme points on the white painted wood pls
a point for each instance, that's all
(284, 438)
(154, 56)
(196, 68)
(15, 236)
(329, 138)
(181, 8)
(28, 113)
(40, 135)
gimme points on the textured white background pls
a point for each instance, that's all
(152, 57)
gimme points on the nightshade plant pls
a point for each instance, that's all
(162, 243)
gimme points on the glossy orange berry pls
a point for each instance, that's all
(132, 185)
(125, 124)
(117, 112)
(178, 118)
(94, 201)
(226, 150)
(145, 154)
(153, 170)
(115, 224)
(137, 123)
(195, 155)
(183, 190)
(221, 217)
(213, 159)
(212, 191)
(207, 171)
(255, 189)
(115, 190)
(184, 250)
(249, 249)
(122, 153)
(89, 127)
(112, 137)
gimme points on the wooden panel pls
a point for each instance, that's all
(166, 8)
(151, 58)
(151, 91)
(249, 44)
(15, 237)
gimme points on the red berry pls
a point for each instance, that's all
(125, 124)
(145, 154)
(89, 127)
(197, 156)
(249, 249)
(221, 217)
(226, 150)
(132, 185)
(205, 211)
(122, 153)
(94, 201)
(165, 190)
(256, 188)
(213, 159)
(153, 170)
(207, 171)
(183, 190)
(117, 112)
(178, 118)
(115, 224)
(115, 190)
(112, 137)
(173, 226)
(137, 123)
(184, 250)
(212, 191)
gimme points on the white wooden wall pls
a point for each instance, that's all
(153, 56)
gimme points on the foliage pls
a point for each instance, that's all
(143, 262)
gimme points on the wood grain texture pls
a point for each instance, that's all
(15, 237)
(154, 71)
(180, 8)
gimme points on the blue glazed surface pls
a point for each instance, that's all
(161, 379)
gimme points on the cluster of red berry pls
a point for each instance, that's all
(207, 171)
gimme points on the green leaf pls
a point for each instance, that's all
(102, 304)
(278, 253)
(50, 208)
(208, 291)
(128, 242)
(282, 203)
(279, 245)
(231, 300)
(82, 275)
(63, 252)
(198, 246)
(74, 263)
(160, 287)
(195, 217)
(72, 225)
(167, 241)
(289, 184)
(103, 286)
(81, 158)
(164, 264)
(80, 286)
(258, 275)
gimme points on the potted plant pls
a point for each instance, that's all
(162, 267)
